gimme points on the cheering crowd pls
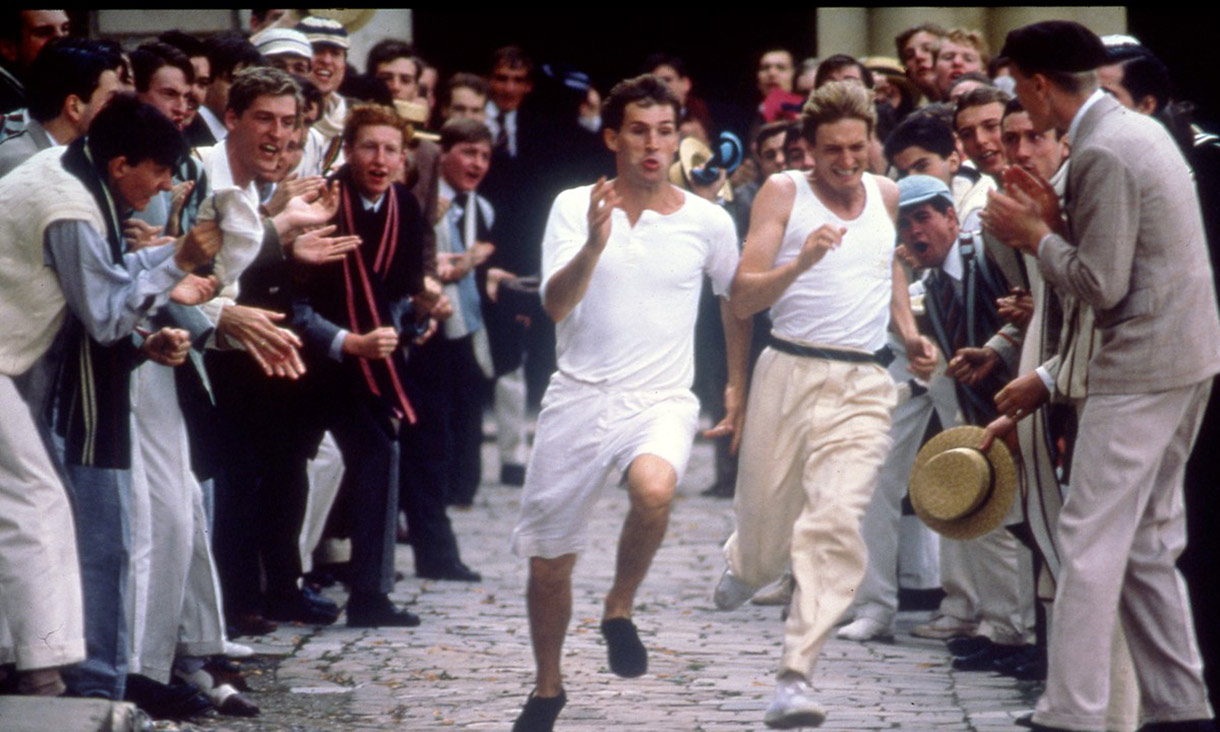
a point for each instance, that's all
(257, 302)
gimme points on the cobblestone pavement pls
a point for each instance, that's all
(469, 665)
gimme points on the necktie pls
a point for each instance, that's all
(463, 215)
(949, 302)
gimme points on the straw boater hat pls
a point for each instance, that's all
(959, 491)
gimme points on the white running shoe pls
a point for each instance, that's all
(777, 593)
(793, 706)
(731, 593)
(865, 629)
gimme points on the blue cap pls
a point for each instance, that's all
(916, 189)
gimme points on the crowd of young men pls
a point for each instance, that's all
(273, 318)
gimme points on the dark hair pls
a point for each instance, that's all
(663, 59)
(900, 41)
(190, 45)
(645, 90)
(113, 133)
(978, 76)
(65, 66)
(943, 111)
(260, 81)
(513, 57)
(928, 131)
(1144, 74)
(979, 97)
(1014, 106)
(260, 14)
(462, 80)
(228, 50)
(150, 57)
(940, 205)
(840, 61)
(792, 133)
(310, 94)
(769, 130)
(366, 88)
(459, 130)
(388, 50)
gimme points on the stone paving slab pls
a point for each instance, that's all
(469, 665)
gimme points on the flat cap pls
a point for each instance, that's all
(916, 189)
(283, 42)
(1054, 45)
(324, 30)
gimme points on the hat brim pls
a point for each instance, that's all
(992, 513)
(693, 153)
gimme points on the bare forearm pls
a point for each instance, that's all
(753, 292)
(737, 332)
(901, 317)
(566, 288)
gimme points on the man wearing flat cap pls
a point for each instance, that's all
(1134, 250)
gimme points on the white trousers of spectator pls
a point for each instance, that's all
(1120, 533)
(510, 417)
(325, 473)
(177, 596)
(877, 597)
(40, 586)
(990, 579)
(816, 433)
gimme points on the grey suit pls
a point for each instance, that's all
(1139, 259)
(21, 147)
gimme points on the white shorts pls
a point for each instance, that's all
(585, 431)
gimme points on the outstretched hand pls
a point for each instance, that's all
(273, 348)
(602, 201)
(319, 247)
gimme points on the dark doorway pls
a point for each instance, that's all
(1187, 43)
(721, 49)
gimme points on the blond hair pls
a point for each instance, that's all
(834, 101)
(972, 38)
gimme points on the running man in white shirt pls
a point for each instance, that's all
(623, 263)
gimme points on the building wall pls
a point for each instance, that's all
(871, 31)
(137, 25)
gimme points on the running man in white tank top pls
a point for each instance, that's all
(622, 266)
(820, 254)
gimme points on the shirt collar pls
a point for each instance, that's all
(1095, 97)
(952, 265)
(445, 190)
(373, 206)
(215, 125)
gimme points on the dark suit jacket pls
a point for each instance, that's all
(982, 283)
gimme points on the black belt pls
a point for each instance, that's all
(883, 357)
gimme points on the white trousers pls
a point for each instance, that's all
(991, 579)
(40, 586)
(877, 597)
(510, 417)
(816, 432)
(325, 474)
(1120, 533)
(177, 595)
